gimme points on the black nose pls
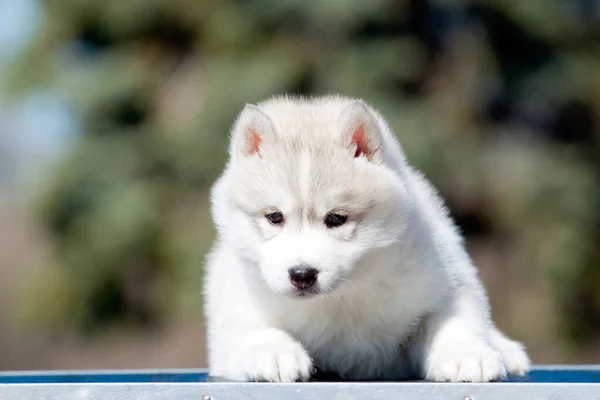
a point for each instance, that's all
(303, 277)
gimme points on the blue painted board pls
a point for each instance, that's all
(539, 374)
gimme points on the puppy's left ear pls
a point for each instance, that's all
(360, 132)
(252, 130)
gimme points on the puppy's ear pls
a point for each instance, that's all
(360, 132)
(252, 129)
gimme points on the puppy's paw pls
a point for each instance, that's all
(513, 353)
(465, 361)
(275, 357)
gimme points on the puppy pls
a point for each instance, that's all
(333, 254)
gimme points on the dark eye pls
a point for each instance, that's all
(333, 220)
(275, 218)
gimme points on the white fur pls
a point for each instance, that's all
(398, 296)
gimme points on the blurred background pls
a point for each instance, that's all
(114, 119)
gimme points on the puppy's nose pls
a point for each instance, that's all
(303, 277)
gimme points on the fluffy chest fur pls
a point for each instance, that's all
(360, 330)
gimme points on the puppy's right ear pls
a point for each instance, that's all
(252, 129)
(360, 132)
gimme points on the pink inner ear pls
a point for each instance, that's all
(359, 138)
(254, 140)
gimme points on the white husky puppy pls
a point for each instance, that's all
(333, 254)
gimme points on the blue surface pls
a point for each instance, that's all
(561, 375)
(107, 377)
(539, 375)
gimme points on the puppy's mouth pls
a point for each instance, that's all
(335, 288)
(306, 292)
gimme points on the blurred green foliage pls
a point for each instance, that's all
(496, 101)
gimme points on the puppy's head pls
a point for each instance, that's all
(310, 194)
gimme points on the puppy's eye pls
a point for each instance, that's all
(275, 218)
(333, 220)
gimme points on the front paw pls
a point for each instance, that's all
(273, 357)
(468, 361)
(513, 353)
